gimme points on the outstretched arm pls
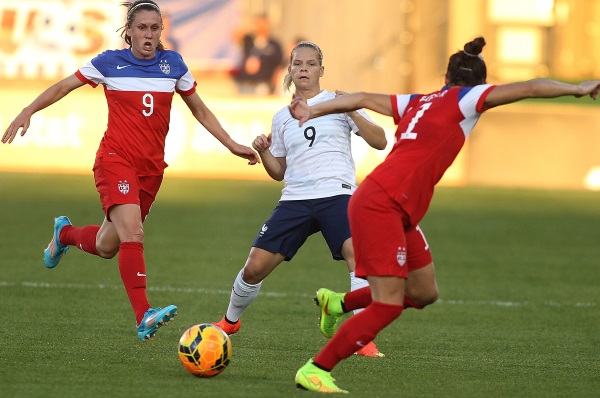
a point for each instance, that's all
(539, 88)
(370, 132)
(210, 122)
(51, 95)
(379, 103)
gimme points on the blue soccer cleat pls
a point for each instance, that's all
(55, 249)
(153, 319)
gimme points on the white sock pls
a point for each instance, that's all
(242, 295)
(355, 284)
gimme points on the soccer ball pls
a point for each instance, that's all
(204, 350)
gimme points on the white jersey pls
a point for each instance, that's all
(318, 154)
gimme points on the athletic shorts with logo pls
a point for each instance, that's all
(293, 221)
(118, 183)
(382, 246)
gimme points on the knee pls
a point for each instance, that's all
(430, 298)
(136, 236)
(107, 252)
(259, 265)
(107, 246)
(251, 273)
(423, 298)
(256, 269)
(427, 298)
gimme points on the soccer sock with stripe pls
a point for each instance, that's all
(242, 295)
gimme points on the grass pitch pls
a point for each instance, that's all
(518, 314)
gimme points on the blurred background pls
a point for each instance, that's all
(385, 46)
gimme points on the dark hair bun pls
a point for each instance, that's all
(475, 47)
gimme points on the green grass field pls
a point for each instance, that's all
(518, 314)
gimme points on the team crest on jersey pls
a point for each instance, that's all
(164, 66)
(123, 187)
(401, 256)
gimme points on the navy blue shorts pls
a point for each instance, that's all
(293, 221)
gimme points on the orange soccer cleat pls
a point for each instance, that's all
(370, 350)
(227, 327)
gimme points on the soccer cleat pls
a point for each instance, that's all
(311, 378)
(331, 310)
(55, 249)
(229, 328)
(370, 350)
(153, 319)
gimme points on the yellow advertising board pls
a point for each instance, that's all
(65, 136)
(528, 145)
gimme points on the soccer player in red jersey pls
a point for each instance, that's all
(392, 200)
(139, 83)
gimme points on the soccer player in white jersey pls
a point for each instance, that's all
(139, 83)
(316, 164)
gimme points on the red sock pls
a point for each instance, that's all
(83, 238)
(408, 303)
(357, 299)
(362, 327)
(361, 298)
(133, 275)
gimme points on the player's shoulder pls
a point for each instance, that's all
(282, 115)
(107, 55)
(170, 54)
(473, 92)
(108, 60)
(323, 96)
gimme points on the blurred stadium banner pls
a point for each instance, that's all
(202, 31)
(50, 39)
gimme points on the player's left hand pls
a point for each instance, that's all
(590, 87)
(299, 110)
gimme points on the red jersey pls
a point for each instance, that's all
(431, 131)
(139, 93)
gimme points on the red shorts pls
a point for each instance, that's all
(118, 183)
(382, 246)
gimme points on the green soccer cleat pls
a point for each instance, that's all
(331, 311)
(153, 319)
(55, 249)
(311, 378)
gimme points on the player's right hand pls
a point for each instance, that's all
(262, 143)
(20, 122)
